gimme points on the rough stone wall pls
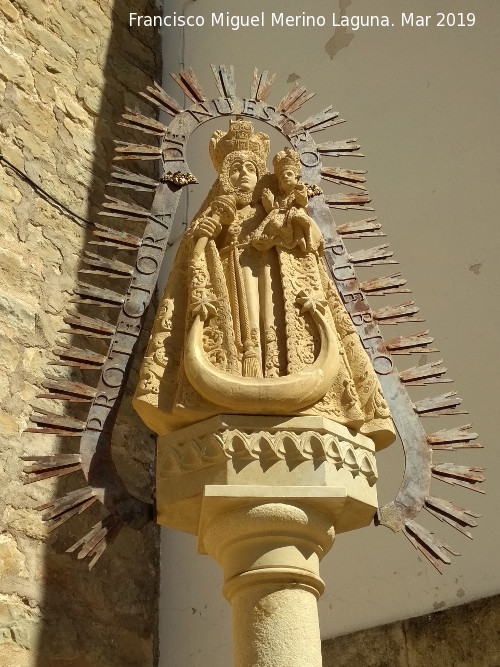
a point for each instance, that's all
(465, 636)
(67, 70)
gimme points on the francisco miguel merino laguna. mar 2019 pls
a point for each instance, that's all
(303, 20)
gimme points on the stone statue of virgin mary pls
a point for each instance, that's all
(250, 322)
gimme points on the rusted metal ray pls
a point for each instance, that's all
(52, 430)
(52, 472)
(43, 417)
(224, 78)
(87, 326)
(319, 121)
(128, 151)
(113, 238)
(119, 208)
(431, 541)
(143, 123)
(74, 356)
(103, 266)
(455, 524)
(344, 201)
(97, 296)
(360, 229)
(51, 460)
(352, 178)
(189, 84)
(67, 390)
(457, 446)
(373, 256)
(444, 404)
(294, 99)
(423, 550)
(467, 476)
(157, 96)
(427, 374)
(66, 503)
(455, 516)
(455, 438)
(460, 513)
(453, 481)
(417, 342)
(75, 511)
(129, 179)
(96, 540)
(340, 148)
(44, 467)
(261, 85)
(403, 312)
(386, 285)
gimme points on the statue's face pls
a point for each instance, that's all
(287, 179)
(243, 175)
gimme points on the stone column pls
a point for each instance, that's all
(270, 553)
(266, 496)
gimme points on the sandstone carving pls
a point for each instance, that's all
(249, 322)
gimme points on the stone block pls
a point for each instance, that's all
(12, 561)
(254, 452)
(8, 9)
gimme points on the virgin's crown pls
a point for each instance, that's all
(241, 137)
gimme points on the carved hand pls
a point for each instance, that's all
(207, 227)
(267, 200)
(301, 194)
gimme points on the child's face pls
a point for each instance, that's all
(287, 179)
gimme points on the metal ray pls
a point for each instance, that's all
(224, 78)
(103, 266)
(351, 177)
(157, 96)
(360, 229)
(138, 121)
(97, 296)
(444, 404)
(340, 148)
(294, 99)
(94, 543)
(115, 239)
(404, 312)
(427, 374)
(373, 256)
(87, 326)
(467, 476)
(74, 356)
(261, 85)
(67, 390)
(129, 179)
(345, 201)
(386, 285)
(127, 151)
(189, 84)
(417, 342)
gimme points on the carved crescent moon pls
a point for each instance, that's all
(247, 395)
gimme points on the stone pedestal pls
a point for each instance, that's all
(270, 550)
(265, 496)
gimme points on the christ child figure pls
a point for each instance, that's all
(287, 222)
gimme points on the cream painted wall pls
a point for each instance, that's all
(424, 104)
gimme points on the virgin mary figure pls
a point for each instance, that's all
(250, 322)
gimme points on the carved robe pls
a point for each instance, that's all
(289, 303)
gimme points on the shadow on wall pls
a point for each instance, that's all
(108, 616)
